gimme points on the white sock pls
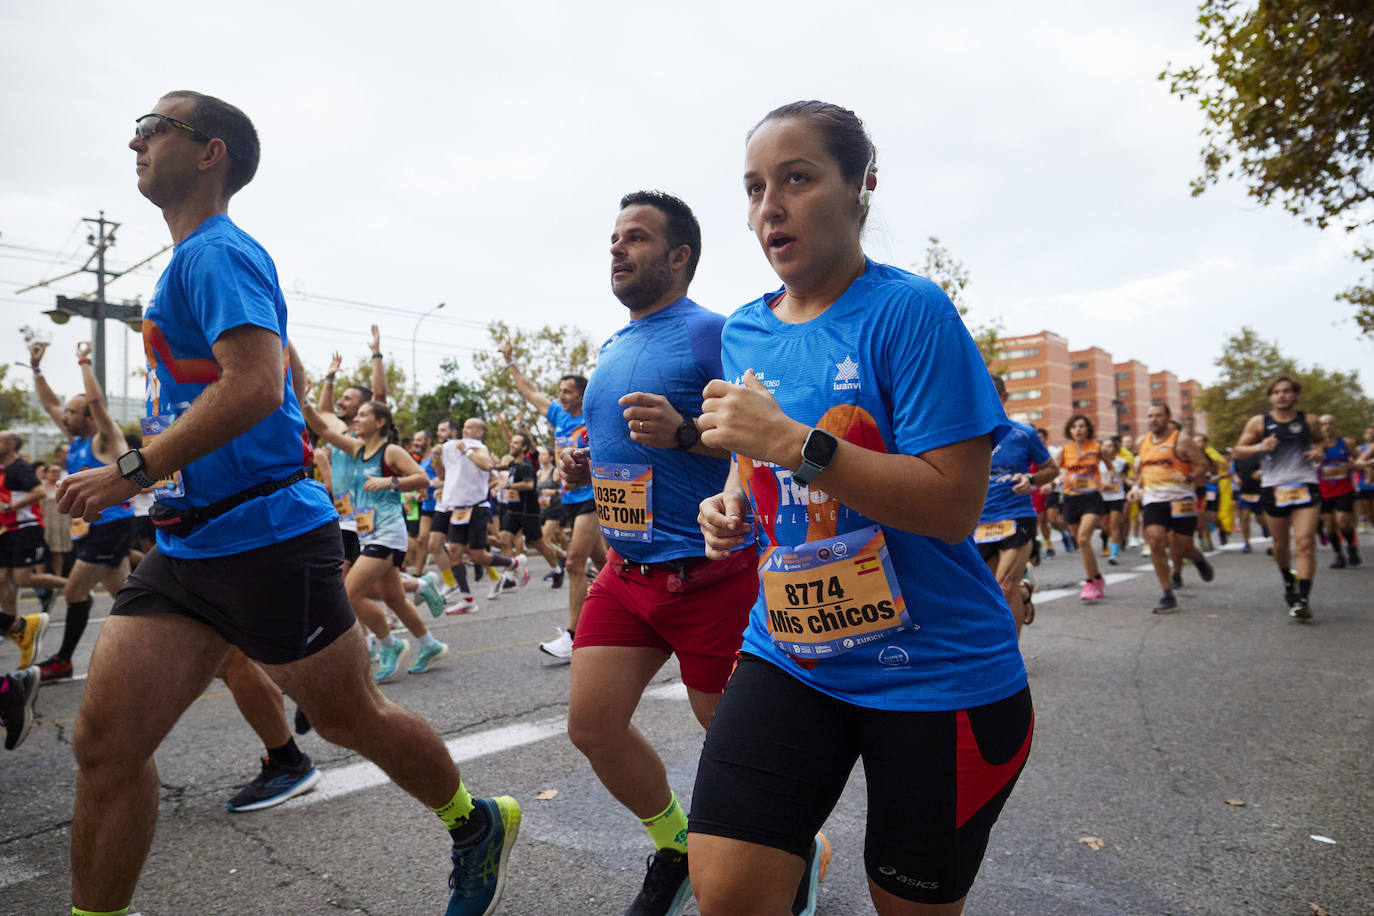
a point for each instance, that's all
(389, 642)
(428, 640)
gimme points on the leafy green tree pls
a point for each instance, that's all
(453, 398)
(1288, 102)
(16, 406)
(1248, 363)
(952, 276)
(544, 356)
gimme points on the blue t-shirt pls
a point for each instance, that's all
(81, 457)
(427, 504)
(673, 352)
(1012, 455)
(889, 366)
(569, 432)
(219, 278)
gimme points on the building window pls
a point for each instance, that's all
(1156, 384)
(1080, 365)
(1026, 416)
(1032, 394)
(1022, 373)
(1081, 383)
(1083, 403)
(1123, 395)
(1125, 427)
(1121, 376)
(1156, 401)
(1021, 353)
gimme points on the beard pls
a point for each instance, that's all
(650, 281)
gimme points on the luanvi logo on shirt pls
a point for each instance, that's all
(847, 375)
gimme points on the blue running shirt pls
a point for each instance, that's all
(219, 279)
(1012, 455)
(569, 432)
(673, 352)
(889, 367)
(81, 457)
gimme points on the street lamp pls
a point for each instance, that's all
(414, 371)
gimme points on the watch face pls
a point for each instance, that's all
(688, 435)
(819, 448)
(129, 462)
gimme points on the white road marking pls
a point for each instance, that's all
(1055, 594)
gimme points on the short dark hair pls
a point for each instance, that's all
(366, 391)
(1162, 406)
(1092, 430)
(1297, 386)
(683, 228)
(1000, 385)
(219, 120)
(579, 380)
(846, 138)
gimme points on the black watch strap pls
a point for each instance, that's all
(688, 435)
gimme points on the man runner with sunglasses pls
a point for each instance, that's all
(248, 548)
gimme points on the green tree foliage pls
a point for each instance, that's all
(1248, 363)
(15, 405)
(453, 399)
(950, 275)
(543, 356)
(1288, 98)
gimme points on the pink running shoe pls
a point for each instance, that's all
(1089, 591)
(1101, 585)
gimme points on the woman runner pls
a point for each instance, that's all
(1083, 505)
(862, 419)
(373, 469)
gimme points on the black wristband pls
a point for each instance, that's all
(377, 356)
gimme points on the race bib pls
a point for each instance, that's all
(1113, 492)
(1335, 471)
(1285, 497)
(546, 499)
(460, 516)
(834, 595)
(153, 427)
(624, 501)
(364, 520)
(80, 527)
(989, 532)
(344, 505)
(1183, 508)
(1082, 484)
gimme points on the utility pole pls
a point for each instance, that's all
(97, 309)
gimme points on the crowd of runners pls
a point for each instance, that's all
(818, 505)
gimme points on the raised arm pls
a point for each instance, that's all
(326, 432)
(51, 404)
(109, 442)
(379, 368)
(538, 399)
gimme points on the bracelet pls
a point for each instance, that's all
(377, 356)
(510, 365)
(83, 362)
(37, 372)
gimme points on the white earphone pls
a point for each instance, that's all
(865, 195)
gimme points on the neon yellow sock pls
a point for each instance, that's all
(669, 829)
(457, 810)
(448, 577)
(76, 911)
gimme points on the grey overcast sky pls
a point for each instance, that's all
(474, 154)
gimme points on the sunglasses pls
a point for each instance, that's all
(150, 125)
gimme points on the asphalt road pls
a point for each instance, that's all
(1216, 761)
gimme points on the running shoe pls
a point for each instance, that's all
(1245, 548)
(1177, 580)
(1204, 569)
(389, 659)
(817, 863)
(520, 572)
(666, 887)
(453, 592)
(431, 597)
(30, 639)
(46, 596)
(560, 647)
(494, 591)
(55, 669)
(1049, 553)
(479, 870)
(550, 574)
(465, 604)
(1339, 562)
(1145, 550)
(1111, 561)
(17, 693)
(1101, 585)
(1354, 556)
(427, 654)
(275, 784)
(1089, 592)
(1300, 610)
(1168, 604)
(558, 578)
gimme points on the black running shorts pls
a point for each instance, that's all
(778, 755)
(1343, 503)
(1162, 514)
(572, 510)
(22, 548)
(279, 603)
(381, 552)
(519, 522)
(1075, 507)
(106, 543)
(1272, 509)
(1025, 533)
(351, 546)
(472, 534)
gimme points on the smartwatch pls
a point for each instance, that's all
(130, 465)
(817, 453)
(687, 434)
(395, 482)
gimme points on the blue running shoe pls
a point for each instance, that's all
(275, 784)
(389, 659)
(431, 597)
(479, 870)
(427, 654)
